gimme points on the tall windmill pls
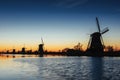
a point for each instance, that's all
(40, 49)
(96, 43)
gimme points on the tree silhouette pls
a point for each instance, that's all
(78, 47)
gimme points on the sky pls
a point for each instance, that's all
(61, 23)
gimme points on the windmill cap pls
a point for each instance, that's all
(96, 34)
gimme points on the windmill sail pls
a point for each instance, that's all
(104, 30)
(98, 24)
(42, 41)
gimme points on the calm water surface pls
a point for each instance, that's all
(60, 68)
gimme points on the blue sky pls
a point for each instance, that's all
(61, 23)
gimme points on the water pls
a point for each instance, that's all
(60, 68)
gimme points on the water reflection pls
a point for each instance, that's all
(7, 56)
(97, 68)
(64, 68)
(72, 68)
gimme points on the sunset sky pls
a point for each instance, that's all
(61, 23)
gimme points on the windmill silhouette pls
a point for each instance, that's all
(96, 44)
(23, 49)
(41, 50)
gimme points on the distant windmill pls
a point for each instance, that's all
(41, 50)
(96, 43)
(13, 50)
(23, 49)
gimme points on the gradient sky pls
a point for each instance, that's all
(61, 23)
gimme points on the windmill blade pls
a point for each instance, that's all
(104, 30)
(24, 45)
(88, 46)
(102, 41)
(98, 24)
(42, 41)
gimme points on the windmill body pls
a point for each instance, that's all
(13, 51)
(40, 49)
(23, 50)
(96, 44)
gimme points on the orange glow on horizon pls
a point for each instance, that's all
(49, 47)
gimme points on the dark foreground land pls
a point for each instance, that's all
(68, 53)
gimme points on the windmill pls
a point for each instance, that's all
(96, 43)
(40, 49)
(13, 50)
(23, 49)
